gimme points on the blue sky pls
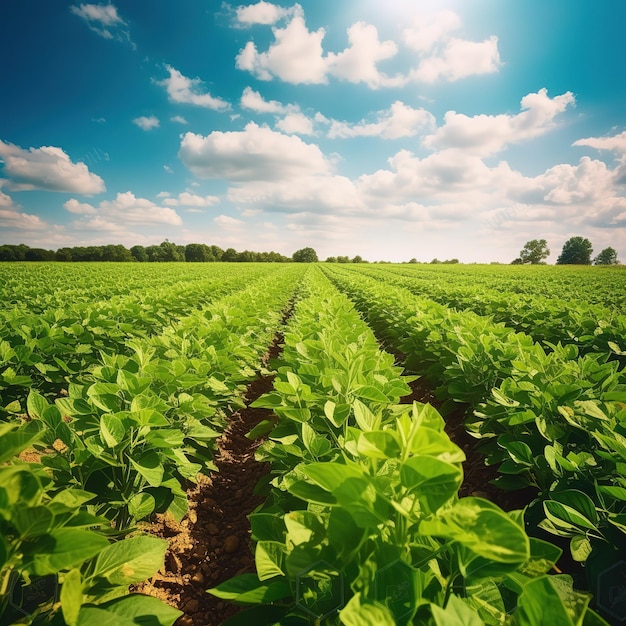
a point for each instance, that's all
(392, 130)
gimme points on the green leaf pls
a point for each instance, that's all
(36, 404)
(433, 481)
(112, 431)
(130, 560)
(150, 468)
(72, 597)
(362, 612)
(456, 613)
(379, 444)
(131, 610)
(65, 548)
(141, 505)
(269, 558)
(248, 589)
(367, 392)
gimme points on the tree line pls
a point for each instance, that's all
(576, 251)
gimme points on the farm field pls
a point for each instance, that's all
(311, 443)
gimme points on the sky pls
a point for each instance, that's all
(392, 129)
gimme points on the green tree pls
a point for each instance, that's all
(230, 255)
(534, 251)
(139, 254)
(197, 253)
(305, 255)
(576, 251)
(358, 259)
(608, 256)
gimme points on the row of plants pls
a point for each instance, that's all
(547, 319)
(603, 286)
(363, 524)
(46, 351)
(118, 446)
(555, 420)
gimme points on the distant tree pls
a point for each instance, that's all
(343, 259)
(451, 261)
(197, 253)
(64, 254)
(435, 261)
(517, 261)
(305, 255)
(534, 251)
(576, 251)
(216, 253)
(413, 260)
(230, 255)
(165, 252)
(358, 259)
(608, 256)
(39, 254)
(139, 254)
(331, 259)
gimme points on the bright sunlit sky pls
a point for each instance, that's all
(390, 129)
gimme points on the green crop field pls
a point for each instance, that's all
(500, 501)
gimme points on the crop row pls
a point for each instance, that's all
(47, 350)
(554, 421)
(118, 446)
(602, 286)
(550, 320)
(363, 523)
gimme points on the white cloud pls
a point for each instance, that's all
(186, 199)
(79, 208)
(459, 59)
(296, 55)
(616, 143)
(12, 217)
(168, 169)
(47, 168)
(358, 63)
(263, 13)
(126, 209)
(442, 57)
(179, 119)
(400, 120)
(256, 153)
(147, 122)
(489, 134)
(188, 91)
(104, 20)
(296, 124)
(254, 101)
(225, 221)
(429, 30)
(589, 181)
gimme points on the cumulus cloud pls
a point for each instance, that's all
(13, 218)
(147, 122)
(189, 91)
(358, 63)
(296, 55)
(256, 153)
(179, 119)
(296, 123)
(400, 120)
(254, 101)
(186, 199)
(264, 13)
(442, 57)
(489, 134)
(226, 221)
(616, 143)
(126, 209)
(47, 168)
(104, 20)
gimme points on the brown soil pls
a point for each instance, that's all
(212, 543)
